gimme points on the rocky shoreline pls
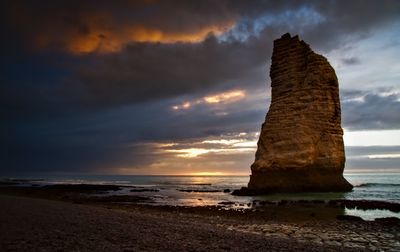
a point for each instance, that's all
(95, 193)
(314, 225)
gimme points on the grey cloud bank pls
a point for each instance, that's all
(98, 111)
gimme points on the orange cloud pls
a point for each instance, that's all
(102, 39)
(81, 27)
(107, 26)
(224, 98)
(143, 34)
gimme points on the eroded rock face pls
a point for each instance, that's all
(301, 142)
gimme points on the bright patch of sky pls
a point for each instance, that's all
(303, 17)
(372, 138)
(220, 98)
(370, 63)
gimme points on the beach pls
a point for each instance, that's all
(36, 224)
(63, 220)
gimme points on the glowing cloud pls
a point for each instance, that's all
(191, 152)
(226, 97)
(225, 145)
(102, 38)
(379, 156)
(143, 34)
(195, 152)
(222, 141)
(185, 105)
(248, 144)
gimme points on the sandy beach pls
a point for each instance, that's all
(34, 223)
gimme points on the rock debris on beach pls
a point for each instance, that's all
(347, 235)
(30, 224)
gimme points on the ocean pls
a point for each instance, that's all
(209, 190)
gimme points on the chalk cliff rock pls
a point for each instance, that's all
(301, 142)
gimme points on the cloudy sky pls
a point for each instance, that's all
(182, 87)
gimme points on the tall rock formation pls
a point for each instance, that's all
(301, 142)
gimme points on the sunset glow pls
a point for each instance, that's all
(221, 146)
(217, 125)
(195, 152)
(184, 105)
(165, 87)
(144, 34)
(219, 98)
(226, 97)
(208, 174)
(190, 152)
(103, 39)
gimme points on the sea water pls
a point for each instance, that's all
(172, 190)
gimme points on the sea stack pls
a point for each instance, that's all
(300, 148)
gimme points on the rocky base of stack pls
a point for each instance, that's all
(300, 181)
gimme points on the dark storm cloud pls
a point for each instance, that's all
(153, 71)
(106, 74)
(139, 72)
(148, 71)
(347, 95)
(104, 26)
(111, 139)
(368, 110)
(351, 61)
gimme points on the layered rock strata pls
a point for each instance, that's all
(300, 148)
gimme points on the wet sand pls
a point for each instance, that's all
(57, 219)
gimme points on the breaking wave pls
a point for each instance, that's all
(377, 185)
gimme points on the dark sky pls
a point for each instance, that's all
(179, 87)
